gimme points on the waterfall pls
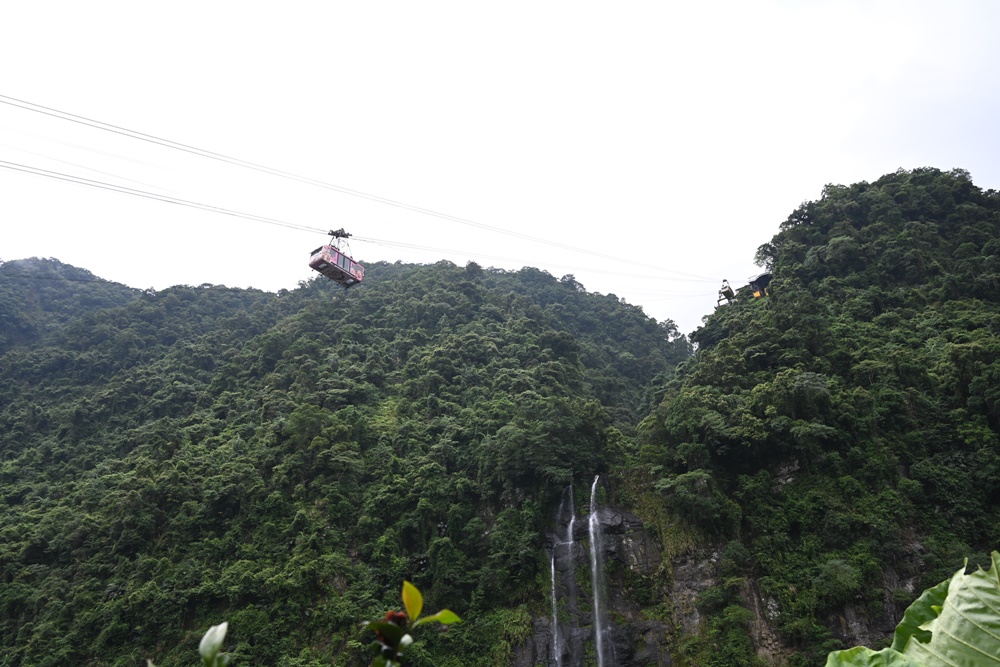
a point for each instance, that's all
(556, 649)
(570, 576)
(569, 642)
(596, 575)
(572, 520)
(562, 576)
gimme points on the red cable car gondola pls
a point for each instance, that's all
(331, 261)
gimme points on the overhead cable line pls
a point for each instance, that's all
(152, 195)
(36, 171)
(80, 166)
(63, 115)
(589, 269)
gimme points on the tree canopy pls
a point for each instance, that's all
(844, 429)
(172, 458)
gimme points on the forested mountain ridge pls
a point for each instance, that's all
(838, 439)
(170, 459)
(37, 294)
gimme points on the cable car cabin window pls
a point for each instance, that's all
(344, 262)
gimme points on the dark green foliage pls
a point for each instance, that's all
(725, 639)
(394, 632)
(172, 459)
(954, 623)
(852, 416)
(37, 294)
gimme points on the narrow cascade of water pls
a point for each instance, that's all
(556, 649)
(569, 577)
(594, 526)
(572, 520)
(566, 642)
(562, 555)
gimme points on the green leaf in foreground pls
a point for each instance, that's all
(390, 632)
(967, 631)
(862, 656)
(412, 600)
(961, 629)
(445, 617)
(923, 610)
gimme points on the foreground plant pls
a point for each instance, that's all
(392, 636)
(210, 647)
(956, 622)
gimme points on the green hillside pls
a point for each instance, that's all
(172, 459)
(839, 437)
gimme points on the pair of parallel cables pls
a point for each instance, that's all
(82, 120)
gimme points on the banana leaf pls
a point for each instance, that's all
(954, 624)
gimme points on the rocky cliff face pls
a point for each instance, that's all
(638, 579)
(631, 556)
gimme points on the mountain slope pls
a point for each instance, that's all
(841, 435)
(175, 458)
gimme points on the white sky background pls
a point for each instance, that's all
(675, 135)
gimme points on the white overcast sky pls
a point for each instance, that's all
(676, 136)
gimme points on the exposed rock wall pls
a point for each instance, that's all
(765, 611)
(639, 577)
(631, 554)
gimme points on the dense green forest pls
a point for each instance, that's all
(283, 461)
(839, 437)
(172, 459)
